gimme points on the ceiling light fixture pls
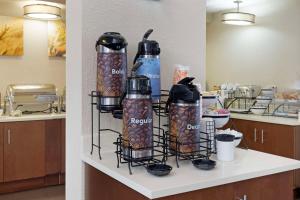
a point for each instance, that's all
(42, 11)
(238, 18)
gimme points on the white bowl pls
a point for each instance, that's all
(208, 101)
(238, 138)
(220, 120)
(263, 100)
(258, 110)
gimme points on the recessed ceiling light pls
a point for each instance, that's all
(238, 18)
(42, 11)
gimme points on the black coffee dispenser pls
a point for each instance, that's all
(183, 106)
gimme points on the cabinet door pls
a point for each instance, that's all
(277, 186)
(248, 189)
(63, 145)
(248, 130)
(1, 153)
(24, 150)
(53, 146)
(277, 139)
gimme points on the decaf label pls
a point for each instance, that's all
(193, 127)
(140, 122)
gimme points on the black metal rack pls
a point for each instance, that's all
(94, 103)
(158, 152)
(161, 138)
(205, 147)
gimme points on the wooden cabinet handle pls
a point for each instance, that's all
(8, 136)
(262, 136)
(243, 198)
(255, 136)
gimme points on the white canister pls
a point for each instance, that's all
(225, 147)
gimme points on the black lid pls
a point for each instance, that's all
(147, 47)
(138, 85)
(225, 137)
(112, 40)
(185, 91)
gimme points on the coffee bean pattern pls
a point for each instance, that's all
(179, 118)
(137, 135)
(108, 83)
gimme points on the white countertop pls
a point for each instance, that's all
(248, 164)
(32, 117)
(267, 119)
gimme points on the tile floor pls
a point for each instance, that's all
(50, 193)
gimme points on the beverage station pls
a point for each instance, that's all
(173, 143)
(157, 124)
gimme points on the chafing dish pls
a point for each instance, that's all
(30, 95)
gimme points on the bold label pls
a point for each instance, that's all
(140, 121)
(193, 127)
(116, 71)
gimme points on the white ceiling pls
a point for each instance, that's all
(220, 5)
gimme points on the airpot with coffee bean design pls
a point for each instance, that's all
(111, 70)
(184, 117)
(138, 118)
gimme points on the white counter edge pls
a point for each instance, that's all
(169, 192)
(266, 119)
(32, 117)
(222, 181)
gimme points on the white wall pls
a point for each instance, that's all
(264, 54)
(74, 172)
(34, 66)
(179, 27)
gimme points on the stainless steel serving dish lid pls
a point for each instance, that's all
(31, 93)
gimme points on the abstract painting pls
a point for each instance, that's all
(56, 38)
(11, 36)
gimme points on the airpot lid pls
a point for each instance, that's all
(112, 40)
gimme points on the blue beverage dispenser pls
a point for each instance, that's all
(148, 54)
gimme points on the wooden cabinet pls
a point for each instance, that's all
(270, 138)
(1, 153)
(247, 190)
(24, 150)
(32, 154)
(53, 146)
(275, 139)
(277, 186)
(63, 146)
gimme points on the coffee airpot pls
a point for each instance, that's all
(111, 70)
(148, 53)
(138, 117)
(183, 107)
